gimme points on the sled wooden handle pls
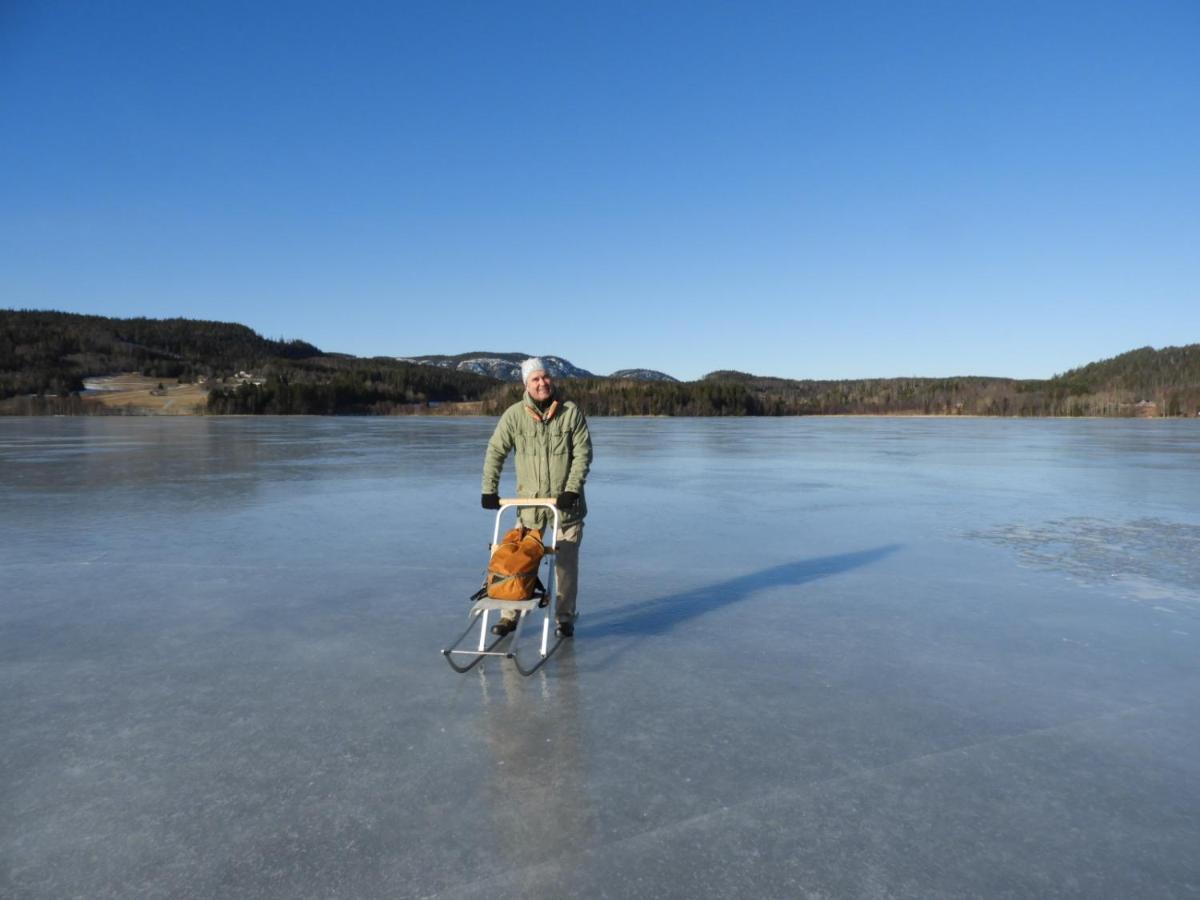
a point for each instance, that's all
(528, 501)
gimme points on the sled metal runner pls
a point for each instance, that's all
(463, 657)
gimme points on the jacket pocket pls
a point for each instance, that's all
(557, 441)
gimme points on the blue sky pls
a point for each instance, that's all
(809, 190)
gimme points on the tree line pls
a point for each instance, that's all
(347, 386)
(737, 394)
(44, 357)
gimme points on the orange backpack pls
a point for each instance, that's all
(512, 571)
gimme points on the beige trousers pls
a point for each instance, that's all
(566, 572)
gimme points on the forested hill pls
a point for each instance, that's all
(48, 354)
(1143, 371)
(53, 351)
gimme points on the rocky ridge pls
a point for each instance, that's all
(642, 375)
(507, 366)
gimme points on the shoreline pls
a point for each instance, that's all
(132, 411)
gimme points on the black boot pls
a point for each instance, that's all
(565, 628)
(504, 626)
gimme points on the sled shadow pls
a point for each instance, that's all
(660, 615)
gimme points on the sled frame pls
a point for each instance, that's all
(481, 609)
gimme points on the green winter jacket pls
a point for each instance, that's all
(554, 453)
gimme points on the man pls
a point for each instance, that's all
(554, 452)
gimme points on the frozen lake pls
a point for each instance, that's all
(816, 657)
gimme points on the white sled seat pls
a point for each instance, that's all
(515, 605)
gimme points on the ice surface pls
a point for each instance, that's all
(817, 657)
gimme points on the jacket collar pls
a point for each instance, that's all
(541, 415)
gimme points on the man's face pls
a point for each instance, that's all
(540, 386)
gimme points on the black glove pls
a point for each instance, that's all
(567, 500)
(490, 501)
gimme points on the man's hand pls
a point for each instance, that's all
(567, 500)
(490, 501)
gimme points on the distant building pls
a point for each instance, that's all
(1146, 409)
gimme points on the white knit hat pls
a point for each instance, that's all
(531, 365)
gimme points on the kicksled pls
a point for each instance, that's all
(468, 651)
